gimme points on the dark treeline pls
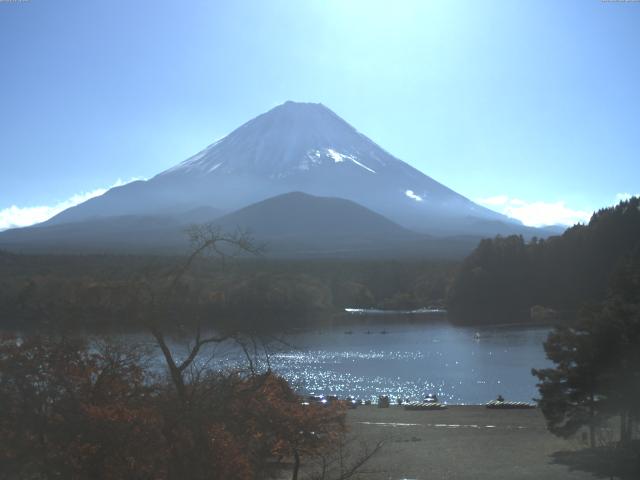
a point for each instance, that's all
(595, 380)
(97, 290)
(505, 279)
(509, 280)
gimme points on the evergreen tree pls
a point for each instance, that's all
(597, 362)
(505, 277)
(571, 392)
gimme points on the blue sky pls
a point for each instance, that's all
(531, 107)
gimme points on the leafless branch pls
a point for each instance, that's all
(337, 467)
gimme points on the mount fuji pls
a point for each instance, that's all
(295, 147)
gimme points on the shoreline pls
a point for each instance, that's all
(461, 442)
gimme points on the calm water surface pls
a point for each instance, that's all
(407, 361)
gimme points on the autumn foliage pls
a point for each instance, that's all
(74, 412)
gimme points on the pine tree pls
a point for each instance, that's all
(571, 392)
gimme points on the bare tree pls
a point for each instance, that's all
(172, 290)
(345, 461)
(175, 292)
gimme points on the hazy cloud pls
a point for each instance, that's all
(625, 196)
(493, 201)
(536, 214)
(15, 216)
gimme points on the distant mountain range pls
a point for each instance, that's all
(298, 177)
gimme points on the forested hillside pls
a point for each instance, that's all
(506, 279)
(94, 290)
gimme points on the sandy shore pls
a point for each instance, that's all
(461, 442)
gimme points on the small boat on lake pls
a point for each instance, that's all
(431, 398)
(424, 406)
(379, 311)
(497, 404)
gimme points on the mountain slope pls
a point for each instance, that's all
(122, 233)
(298, 214)
(300, 225)
(298, 147)
(292, 225)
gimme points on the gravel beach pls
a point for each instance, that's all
(461, 442)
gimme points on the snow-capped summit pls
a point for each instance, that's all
(286, 140)
(303, 147)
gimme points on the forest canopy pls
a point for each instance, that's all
(75, 291)
(506, 279)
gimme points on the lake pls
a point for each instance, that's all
(407, 359)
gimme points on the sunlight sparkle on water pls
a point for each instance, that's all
(407, 362)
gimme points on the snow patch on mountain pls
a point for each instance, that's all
(413, 196)
(196, 162)
(341, 157)
(313, 157)
(363, 165)
(337, 156)
(215, 167)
